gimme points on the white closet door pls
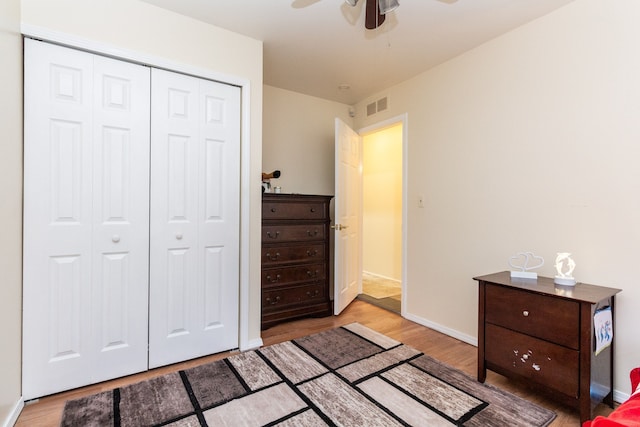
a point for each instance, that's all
(85, 219)
(194, 265)
(120, 217)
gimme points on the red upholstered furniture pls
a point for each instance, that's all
(625, 415)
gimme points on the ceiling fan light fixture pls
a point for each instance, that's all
(385, 6)
(351, 2)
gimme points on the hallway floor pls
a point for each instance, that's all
(384, 293)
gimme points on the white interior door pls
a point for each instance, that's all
(348, 214)
(85, 219)
(194, 266)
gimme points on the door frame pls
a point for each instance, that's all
(404, 120)
(45, 34)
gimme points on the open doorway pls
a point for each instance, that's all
(382, 216)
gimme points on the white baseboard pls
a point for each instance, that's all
(380, 276)
(251, 344)
(443, 329)
(620, 397)
(14, 414)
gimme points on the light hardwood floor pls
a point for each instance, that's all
(48, 410)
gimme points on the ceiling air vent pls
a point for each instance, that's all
(377, 106)
(371, 109)
(382, 104)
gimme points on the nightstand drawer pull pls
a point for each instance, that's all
(525, 313)
(313, 294)
(274, 235)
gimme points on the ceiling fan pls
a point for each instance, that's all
(376, 11)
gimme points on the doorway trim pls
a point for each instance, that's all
(404, 120)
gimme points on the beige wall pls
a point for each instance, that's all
(382, 202)
(10, 208)
(135, 26)
(530, 142)
(298, 139)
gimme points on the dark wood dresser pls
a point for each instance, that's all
(295, 257)
(543, 334)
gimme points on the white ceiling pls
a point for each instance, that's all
(314, 46)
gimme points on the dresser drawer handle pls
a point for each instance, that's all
(313, 294)
(272, 257)
(274, 210)
(312, 233)
(312, 273)
(276, 280)
(525, 313)
(314, 253)
(313, 210)
(273, 235)
(273, 301)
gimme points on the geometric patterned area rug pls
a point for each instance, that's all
(348, 376)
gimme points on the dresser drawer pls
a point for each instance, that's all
(275, 299)
(543, 362)
(274, 255)
(294, 274)
(545, 317)
(294, 210)
(292, 233)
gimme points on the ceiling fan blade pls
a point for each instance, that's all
(373, 18)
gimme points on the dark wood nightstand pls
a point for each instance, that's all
(543, 334)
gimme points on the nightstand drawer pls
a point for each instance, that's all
(545, 317)
(292, 233)
(538, 360)
(275, 255)
(542, 334)
(295, 274)
(293, 210)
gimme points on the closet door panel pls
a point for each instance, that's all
(194, 218)
(83, 292)
(177, 268)
(57, 219)
(220, 211)
(121, 217)
(174, 207)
